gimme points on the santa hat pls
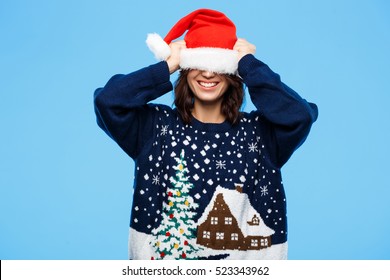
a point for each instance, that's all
(209, 39)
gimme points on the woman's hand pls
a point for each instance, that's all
(174, 59)
(243, 47)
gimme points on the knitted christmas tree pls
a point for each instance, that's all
(175, 238)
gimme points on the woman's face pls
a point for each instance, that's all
(208, 87)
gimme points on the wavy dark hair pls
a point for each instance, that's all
(231, 103)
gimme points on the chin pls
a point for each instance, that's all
(208, 94)
(207, 97)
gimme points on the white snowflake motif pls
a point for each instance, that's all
(264, 190)
(164, 130)
(156, 180)
(253, 147)
(221, 164)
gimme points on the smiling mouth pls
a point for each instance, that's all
(208, 84)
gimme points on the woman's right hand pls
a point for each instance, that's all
(174, 59)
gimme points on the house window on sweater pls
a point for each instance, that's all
(206, 234)
(228, 220)
(234, 236)
(214, 220)
(254, 243)
(264, 242)
(220, 235)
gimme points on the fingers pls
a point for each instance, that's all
(177, 46)
(174, 59)
(243, 47)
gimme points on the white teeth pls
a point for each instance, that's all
(207, 85)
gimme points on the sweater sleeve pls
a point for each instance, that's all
(288, 118)
(121, 106)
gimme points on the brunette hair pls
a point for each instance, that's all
(231, 103)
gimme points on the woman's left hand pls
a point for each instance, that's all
(243, 47)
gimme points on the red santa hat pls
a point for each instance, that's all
(209, 39)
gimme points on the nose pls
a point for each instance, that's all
(208, 74)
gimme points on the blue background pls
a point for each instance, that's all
(65, 187)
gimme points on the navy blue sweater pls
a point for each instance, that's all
(206, 191)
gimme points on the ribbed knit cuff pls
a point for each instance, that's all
(160, 73)
(246, 64)
(161, 79)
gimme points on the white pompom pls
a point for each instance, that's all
(158, 46)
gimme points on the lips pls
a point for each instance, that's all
(207, 84)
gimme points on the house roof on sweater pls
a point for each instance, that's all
(241, 209)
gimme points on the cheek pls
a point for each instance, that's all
(190, 82)
(191, 86)
(225, 87)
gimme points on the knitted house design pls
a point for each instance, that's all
(230, 222)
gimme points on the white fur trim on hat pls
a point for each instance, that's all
(158, 46)
(223, 61)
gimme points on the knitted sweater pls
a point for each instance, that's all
(203, 190)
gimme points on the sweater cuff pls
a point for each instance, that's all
(161, 79)
(246, 64)
(160, 72)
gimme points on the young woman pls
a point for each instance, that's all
(208, 183)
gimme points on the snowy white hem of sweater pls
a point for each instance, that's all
(141, 250)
